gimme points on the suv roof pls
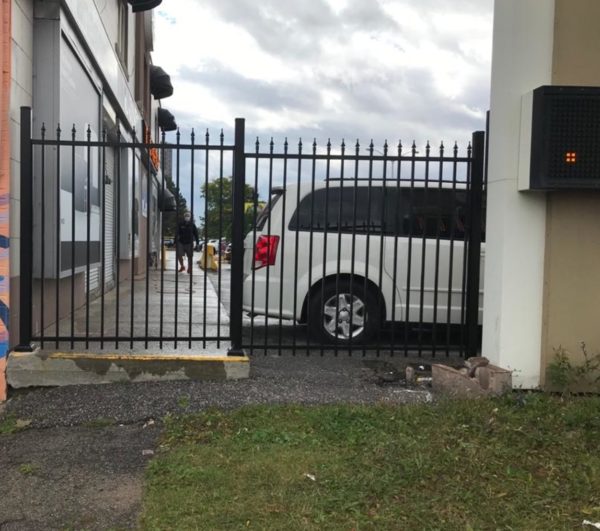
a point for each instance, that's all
(361, 182)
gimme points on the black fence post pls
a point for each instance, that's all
(474, 254)
(237, 237)
(26, 254)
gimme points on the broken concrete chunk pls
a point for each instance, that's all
(473, 363)
(488, 380)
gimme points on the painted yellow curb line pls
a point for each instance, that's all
(136, 357)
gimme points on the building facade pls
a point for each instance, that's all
(85, 69)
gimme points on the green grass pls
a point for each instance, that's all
(27, 469)
(10, 424)
(183, 401)
(522, 462)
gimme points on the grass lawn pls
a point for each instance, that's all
(522, 462)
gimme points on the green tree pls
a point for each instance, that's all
(219, 201)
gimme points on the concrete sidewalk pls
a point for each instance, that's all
(167, 304)
(172, 326)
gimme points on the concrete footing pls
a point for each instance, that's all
(38, 368)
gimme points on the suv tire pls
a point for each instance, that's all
(333, 320)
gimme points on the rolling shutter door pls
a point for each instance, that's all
(109, 233)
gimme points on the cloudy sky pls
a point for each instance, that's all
(380, 69)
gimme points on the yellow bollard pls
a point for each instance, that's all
(207, 258)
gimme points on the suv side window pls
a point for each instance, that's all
(418, 212)
(429, 213)
(359, 210)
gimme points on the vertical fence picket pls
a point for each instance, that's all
(237, 239)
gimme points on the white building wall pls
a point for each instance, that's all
(109, 14)
(91, 26)
(516, 222)
(117, 81)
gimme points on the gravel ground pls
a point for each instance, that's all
(80, 462)
(298, 379)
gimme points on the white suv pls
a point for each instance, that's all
(336, 255)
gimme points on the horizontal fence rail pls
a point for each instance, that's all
(296, 249)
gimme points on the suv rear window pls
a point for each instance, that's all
(263, 215)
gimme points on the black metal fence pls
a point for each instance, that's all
(316, 249)
(364, 250)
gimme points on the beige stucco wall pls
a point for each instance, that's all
(572, 256)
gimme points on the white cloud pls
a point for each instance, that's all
(329, 68)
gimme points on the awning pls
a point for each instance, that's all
(160, 83)
(166, 201)
(166, 121)
(143, 5)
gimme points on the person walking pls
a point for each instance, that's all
(187, 235)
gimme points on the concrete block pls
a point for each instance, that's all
(488, 380)
(453, 382)
(495, 380)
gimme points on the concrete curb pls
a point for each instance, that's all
(38, 368)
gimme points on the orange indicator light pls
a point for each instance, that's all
(570, 157)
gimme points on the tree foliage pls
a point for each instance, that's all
(218, 194)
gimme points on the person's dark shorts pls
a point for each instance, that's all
(185, 248)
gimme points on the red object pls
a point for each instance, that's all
(265, 251)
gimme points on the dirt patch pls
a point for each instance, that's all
(73, 478)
